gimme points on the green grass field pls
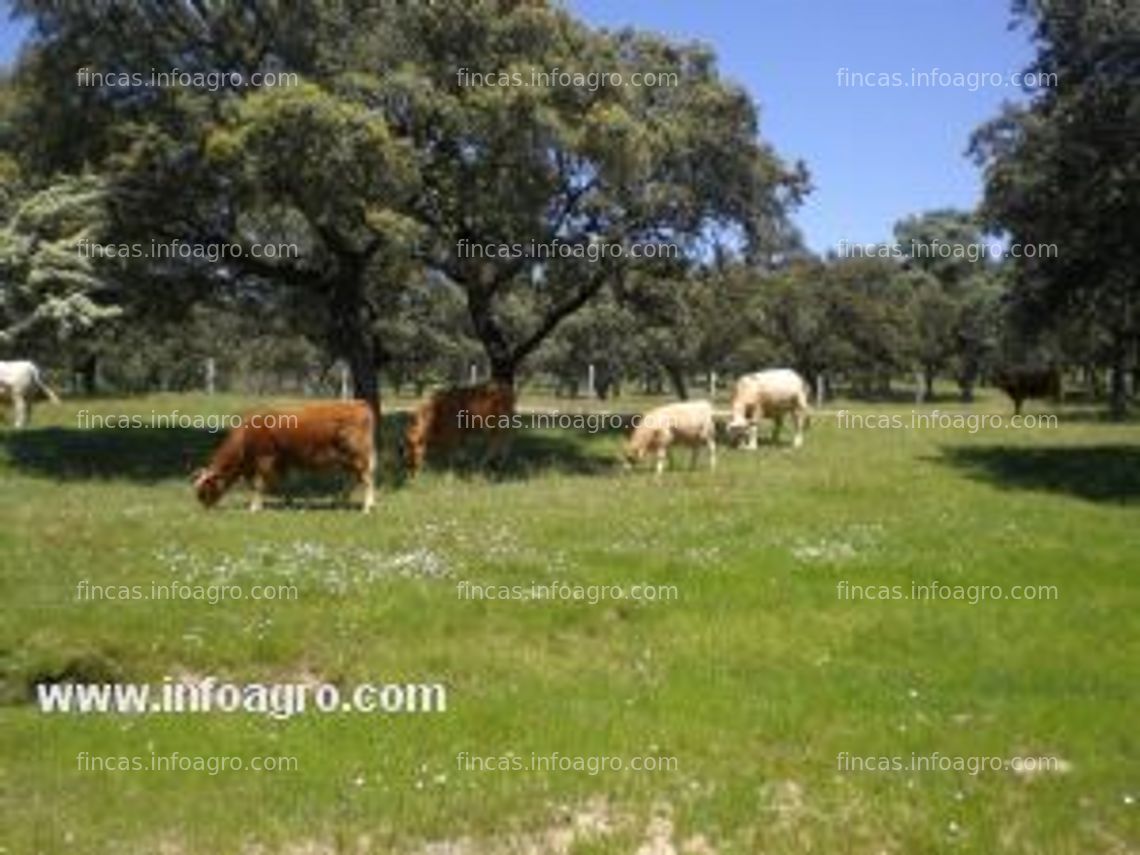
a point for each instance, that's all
(754, 679)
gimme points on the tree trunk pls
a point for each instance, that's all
(677, 378)
(603, 383)
(966, 381)
(928, 381)
(1092, 381)
(88, 374)
(1118, 391)
(360, 354)
(503, 361)
(503, 372)
(356, 344)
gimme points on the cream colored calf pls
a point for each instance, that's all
(687, 423)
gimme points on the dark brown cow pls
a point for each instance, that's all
(439, 424)
(324, 436)
(1022, 382)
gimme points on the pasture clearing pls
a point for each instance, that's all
(756, 679)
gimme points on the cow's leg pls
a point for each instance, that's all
(662, 456)
(798, 423)
(257, 501)
(415, 454)
(261, 481)
(777, 428)
(694, 454)
(368, 480)
(711, 441)
(20, 409)
(752, 442)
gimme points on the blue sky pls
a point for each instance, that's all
(875, 154)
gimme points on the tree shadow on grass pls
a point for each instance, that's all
(1097, 473)
(1091, 414)
(145, 455)
(529, 454)
(148, 455)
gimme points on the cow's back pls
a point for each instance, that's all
(1027, 381)
(318, 435)
(687, 421)
(774, 390)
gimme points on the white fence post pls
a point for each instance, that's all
(919, 387)
(712, 385)
(590, 381)
(474, 374)
(211, 375)
(345, 386)
(819, 384)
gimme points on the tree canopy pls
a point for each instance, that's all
(390, 156)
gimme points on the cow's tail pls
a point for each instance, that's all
(52, 396)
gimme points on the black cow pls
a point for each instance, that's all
(1022, 382)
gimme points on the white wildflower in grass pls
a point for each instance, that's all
(419, 562)
(337, 569)
(847, 544)
(823, 552)
(702, 556)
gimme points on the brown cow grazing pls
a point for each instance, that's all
(324, 436)
(1022, 382)
(440, 423)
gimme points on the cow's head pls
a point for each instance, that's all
(208, 486)
(632, 454)
(737, 428)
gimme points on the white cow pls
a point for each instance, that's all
(770, 394)
(20, 380)
(687, 423)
